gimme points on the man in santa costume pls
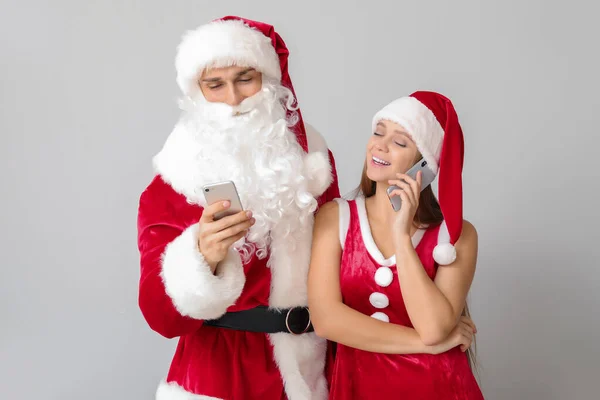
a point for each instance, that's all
(233, 290)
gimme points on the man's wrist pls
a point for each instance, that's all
(212, 265)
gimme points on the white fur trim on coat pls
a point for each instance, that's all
(314, 139)
(300, 358)
(317, 167)
(172, 391)
(223, 44)
(420, 122)
(195, 291)
(176, 164)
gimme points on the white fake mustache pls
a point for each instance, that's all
(218, 111)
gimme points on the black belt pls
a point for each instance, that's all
(263, 319)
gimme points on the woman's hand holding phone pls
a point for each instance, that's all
(215, 237)
(409, 190)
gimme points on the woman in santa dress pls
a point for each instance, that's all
(390, 287)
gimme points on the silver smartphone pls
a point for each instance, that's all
(223, 191)
(427, 176)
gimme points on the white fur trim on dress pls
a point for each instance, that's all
(367, 235)
(344, 222)
(223, 44)
(420, 122)
(172, 391)
(195, 291)
(300, 358)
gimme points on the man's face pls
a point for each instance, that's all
(229, 85)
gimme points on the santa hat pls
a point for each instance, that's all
(234, 41)
(432, 122)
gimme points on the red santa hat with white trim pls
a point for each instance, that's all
(230, 41)
(431, 120)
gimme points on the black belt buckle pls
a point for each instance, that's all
(297, 320)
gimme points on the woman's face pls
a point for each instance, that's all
(230, 85)
(389, 151)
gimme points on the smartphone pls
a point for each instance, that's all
(223, 191)
(427, 177)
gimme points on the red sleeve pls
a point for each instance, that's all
(154, 234)
(178, 289)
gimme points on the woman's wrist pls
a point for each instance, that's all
(434, 350)
(403, 244)
(418, 347)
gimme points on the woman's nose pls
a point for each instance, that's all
(381, 147)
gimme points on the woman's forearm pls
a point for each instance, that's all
(429, 310)
(342, 324)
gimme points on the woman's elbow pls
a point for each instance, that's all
(433, 336)
(320, 322)
(320, 327)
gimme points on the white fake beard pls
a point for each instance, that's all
(252, 145)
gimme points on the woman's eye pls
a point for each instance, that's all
(213, 87)
(245, 80)
(400, 144)
(377, 134)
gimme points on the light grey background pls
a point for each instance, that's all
(88, 96)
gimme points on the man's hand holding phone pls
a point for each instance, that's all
(215, 237)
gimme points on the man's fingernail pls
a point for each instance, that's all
(248, 214)
(225, 204)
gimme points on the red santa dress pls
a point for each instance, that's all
(369, 284)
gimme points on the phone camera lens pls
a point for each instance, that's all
(206, 190)
(424, 163)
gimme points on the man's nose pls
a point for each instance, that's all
(234, 97)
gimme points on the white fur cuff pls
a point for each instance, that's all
(317, 169)
(197, 292)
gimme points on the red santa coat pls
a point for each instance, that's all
(177, 292)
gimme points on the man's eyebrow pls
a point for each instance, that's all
(218, 78)
(245, 71)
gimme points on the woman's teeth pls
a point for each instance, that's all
(379, 161)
